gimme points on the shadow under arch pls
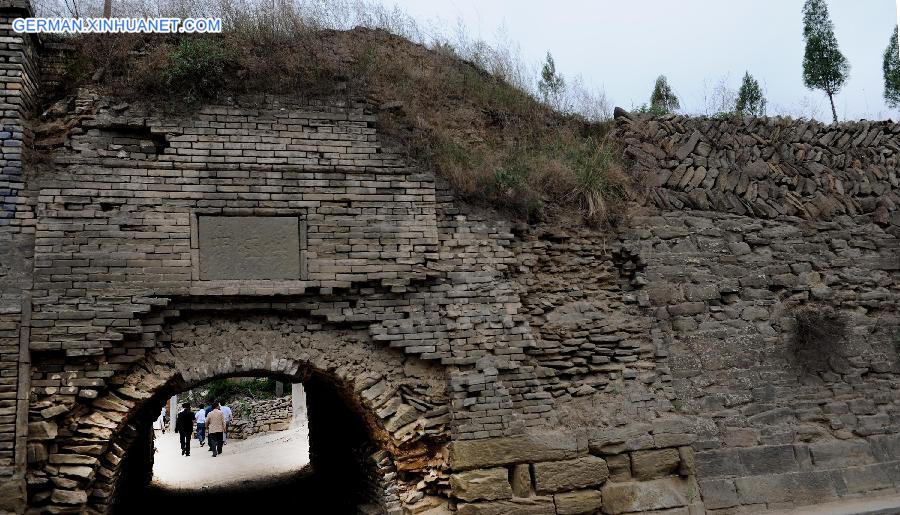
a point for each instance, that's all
(347, 473)
(372, 409)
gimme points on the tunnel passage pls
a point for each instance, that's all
(343, 475)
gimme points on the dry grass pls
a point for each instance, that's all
(820, 332)
(464, 109)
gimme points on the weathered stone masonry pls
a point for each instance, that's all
(18, 68)
(510, 369)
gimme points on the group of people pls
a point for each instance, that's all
(211, 425)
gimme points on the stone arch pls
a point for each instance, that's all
(399, 401)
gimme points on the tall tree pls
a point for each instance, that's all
(824, 66)
(663, 99)
(750, 100)
(891, 69)
(552, 84)
(107, 8)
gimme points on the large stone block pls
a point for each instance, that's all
(481, 485)
(866, 478)
(12, 495)
(840, 453)
(42, 431)
(580, 501)
(529, 506)
(719, 493)
(69, 496)
(654, 464)
(769, 459)
(559, 476)
(885, 447)
(547, 446)
(719, 463)
(657, 494)
(801, 487)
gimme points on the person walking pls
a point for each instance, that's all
(206, 411)
(215, 426)
(227, 412)
(184, 426)
(200, 419)
(162, 420)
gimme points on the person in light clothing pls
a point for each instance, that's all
(161, 421)
(227, 412)
(200, 419)
(215, 427)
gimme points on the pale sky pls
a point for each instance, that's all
(622, 46)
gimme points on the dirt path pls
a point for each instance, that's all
(259, 457)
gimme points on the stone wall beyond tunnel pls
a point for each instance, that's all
(490, 367)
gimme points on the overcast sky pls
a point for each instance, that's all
(621, 46)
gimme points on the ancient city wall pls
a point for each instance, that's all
(761, 223)
(507, 368)
(19, 72)
(255, 417)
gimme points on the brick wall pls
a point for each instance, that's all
(19, 77)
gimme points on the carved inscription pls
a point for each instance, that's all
(249, 247)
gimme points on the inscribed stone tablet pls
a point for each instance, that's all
(249, 247)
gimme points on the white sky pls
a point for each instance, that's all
(621, 46)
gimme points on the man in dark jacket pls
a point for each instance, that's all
(184, 426)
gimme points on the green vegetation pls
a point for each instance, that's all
(196, 68)
(552, 84)
(663, 99)
(824, 66)
(750, 101)
(891, 70)
(226, 391)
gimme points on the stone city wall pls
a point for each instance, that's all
(19, 78)
(495, 367)
(252, 417)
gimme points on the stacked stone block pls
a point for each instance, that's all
(768, 167)
(257, 417)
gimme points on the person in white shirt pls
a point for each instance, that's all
(227, 412)
(162, 420)
(200, 418)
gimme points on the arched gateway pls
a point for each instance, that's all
(358, 397)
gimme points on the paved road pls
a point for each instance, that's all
(260, 458)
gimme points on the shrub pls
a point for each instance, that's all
(196, 68)
(600, 180)
(225, 390)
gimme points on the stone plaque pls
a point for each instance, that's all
(249, 247)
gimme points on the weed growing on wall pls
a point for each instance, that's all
(820, 332)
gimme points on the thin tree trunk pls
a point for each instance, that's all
(833, 111)
(107, 8)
